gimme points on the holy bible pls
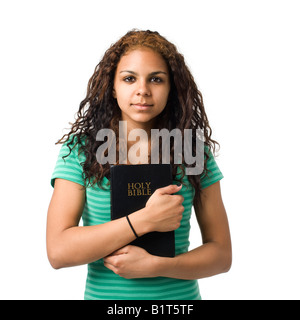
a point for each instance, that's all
(131, 186)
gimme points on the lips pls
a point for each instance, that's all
(142, 106)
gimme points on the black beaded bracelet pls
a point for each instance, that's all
(131, 227)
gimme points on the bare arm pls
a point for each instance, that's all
(215, 255)
(70, 245)
(212, 258)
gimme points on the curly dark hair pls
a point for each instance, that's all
(99, 109)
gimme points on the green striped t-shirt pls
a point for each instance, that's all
(102, 283)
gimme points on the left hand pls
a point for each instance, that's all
(131, 262)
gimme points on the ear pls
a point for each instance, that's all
(114, 93)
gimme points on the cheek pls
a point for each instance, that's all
(125, 91)
(164, 95)
(122, 97)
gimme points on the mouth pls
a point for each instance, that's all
(142, 106)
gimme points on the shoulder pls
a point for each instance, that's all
(73, 148)
(211, 173)
(69, 162)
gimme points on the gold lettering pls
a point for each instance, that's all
(137, 185)
(139, 189)
(130, 185)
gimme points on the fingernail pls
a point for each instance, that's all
(178, 184)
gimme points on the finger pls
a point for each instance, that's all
(123, 250)
(108, 260)
(110, 267)
(172, 188)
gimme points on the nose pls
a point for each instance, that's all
(143, 89)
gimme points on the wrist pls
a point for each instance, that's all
(162, 266)
(140, 222)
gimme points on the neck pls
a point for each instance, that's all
(143, 141)
(130, 125)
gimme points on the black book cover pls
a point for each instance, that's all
(131, 187)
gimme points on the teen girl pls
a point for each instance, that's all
(142, 79)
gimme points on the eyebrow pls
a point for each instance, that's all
(151, 74)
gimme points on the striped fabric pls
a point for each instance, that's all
(101, 282)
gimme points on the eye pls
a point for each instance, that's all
(129, 79)
(156, 79)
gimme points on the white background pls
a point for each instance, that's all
(244, 56)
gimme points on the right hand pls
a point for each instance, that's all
(165, 209)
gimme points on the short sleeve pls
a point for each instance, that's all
(68, 168)
(213, 173)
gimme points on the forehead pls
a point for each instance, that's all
(144, 58)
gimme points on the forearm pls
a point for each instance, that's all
(81, 245)
(205, 261)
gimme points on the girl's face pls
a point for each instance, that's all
(141, 86)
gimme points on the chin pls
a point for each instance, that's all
(142, 118)
(143, 121)
(139, 117)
